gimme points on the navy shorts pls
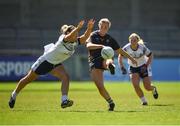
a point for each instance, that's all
(142, 71)
(42, 67)
(96, 63)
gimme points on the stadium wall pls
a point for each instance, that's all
(27, 25)
(12, 68)
(163, 69)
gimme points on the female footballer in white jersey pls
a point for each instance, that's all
(143, 56)
(51, 61)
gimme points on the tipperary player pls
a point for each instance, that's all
(143, 56)
(52, 59)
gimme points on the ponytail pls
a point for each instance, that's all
(141, 41)
(65, 29)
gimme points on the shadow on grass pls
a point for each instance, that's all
(101, 111)
(51, 90)
(131, 111)
(162, 105)
(77, 111)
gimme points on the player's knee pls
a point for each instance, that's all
(65, 77)
(148, 88)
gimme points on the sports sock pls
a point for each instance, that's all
(14, 94)
(64, 97)
(143, 99)
(110, 101)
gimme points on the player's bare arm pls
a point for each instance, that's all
(120, 60)
(92, 46)
(150, 57)
(72, 36)
(125, 54)
(88, 31)
(121, 64)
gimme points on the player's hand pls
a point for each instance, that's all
(103, 46)
(80, 25)
(123, 70)
(90, 24)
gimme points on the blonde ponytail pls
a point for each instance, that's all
(64, 29)
(141, 41)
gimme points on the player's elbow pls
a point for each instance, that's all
(88, 45)
(150, 54)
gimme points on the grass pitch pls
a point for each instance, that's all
(39, 103)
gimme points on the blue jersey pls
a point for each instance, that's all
(106, 40)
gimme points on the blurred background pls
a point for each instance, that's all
(27, 25)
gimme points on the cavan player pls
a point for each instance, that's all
(97, 64)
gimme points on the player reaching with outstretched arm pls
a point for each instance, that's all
(51, 61)
(143, 56)
(97, 64)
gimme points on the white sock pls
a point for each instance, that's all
(64, 97)
(143, 99)
(14, 94)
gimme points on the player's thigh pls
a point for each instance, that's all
(31, 75)
(135, 79)
(97, 76)
(59, 72)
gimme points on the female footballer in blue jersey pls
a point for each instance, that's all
(51, 61)
(143, 56)
(97, 64)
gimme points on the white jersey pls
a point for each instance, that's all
(140, 55)
(60, 51)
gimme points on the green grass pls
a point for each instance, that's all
(39, 103)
